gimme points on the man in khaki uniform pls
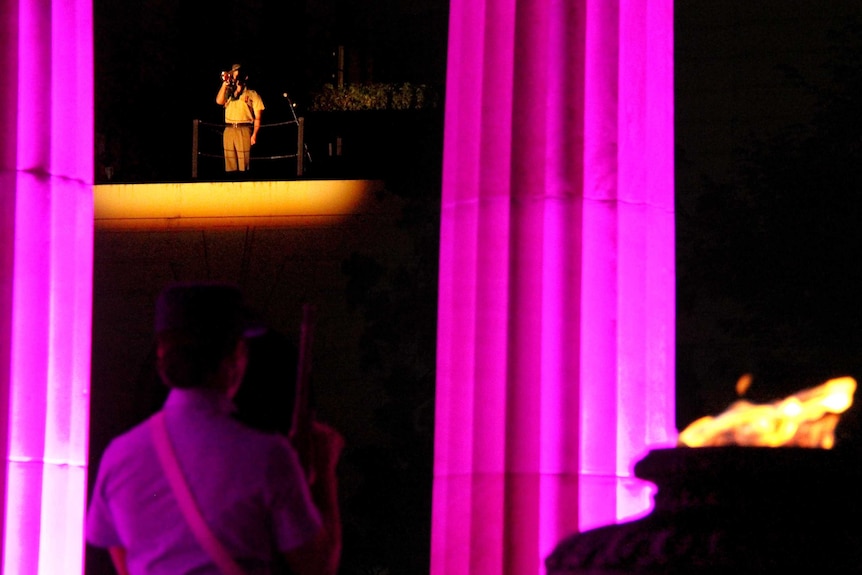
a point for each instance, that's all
(242, 109)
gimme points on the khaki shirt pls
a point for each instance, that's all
(244, 109)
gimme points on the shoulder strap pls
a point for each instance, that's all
(202, 532)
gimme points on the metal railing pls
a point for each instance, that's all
(199, 151)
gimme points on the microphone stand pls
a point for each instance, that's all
(292, 107)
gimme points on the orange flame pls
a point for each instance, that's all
(805, 419)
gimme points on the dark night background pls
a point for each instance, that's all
(768, 160)
(768, 200)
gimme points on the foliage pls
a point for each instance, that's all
(374, 96)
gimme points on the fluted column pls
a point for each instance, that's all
(46, 208)
(555, 358)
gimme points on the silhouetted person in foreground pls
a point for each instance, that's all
(247, 485)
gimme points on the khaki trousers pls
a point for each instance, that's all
(237, 148)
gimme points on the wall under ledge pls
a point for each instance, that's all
(284, 243)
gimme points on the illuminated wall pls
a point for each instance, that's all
(555, 358)
(46, 227)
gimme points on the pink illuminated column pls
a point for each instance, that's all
(556, 304)
(46, 236)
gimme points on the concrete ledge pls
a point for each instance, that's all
(229, 204)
